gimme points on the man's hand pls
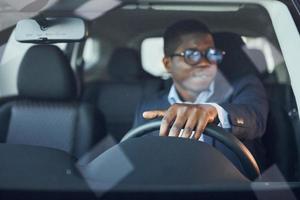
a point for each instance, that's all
(189, 117)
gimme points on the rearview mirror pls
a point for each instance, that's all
(50, 30)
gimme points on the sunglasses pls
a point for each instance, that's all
(194, 56)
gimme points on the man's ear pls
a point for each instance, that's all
(167, 63)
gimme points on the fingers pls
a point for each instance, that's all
(178, 124)
(167, 122)
(153, 114)
(183, 116)
(202, 123)
(189, 126)
(173, 121)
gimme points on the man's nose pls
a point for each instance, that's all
(203, 63)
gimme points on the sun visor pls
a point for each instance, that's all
(51, 30)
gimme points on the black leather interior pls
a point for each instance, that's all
(184, 163)
(235, 50)
(117, 98)
(124, 65)
(47, 67)
(32, 168)
(47, 112)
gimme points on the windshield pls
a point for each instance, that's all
(159, 96)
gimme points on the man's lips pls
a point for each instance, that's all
(200, 74)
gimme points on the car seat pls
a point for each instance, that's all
(46, 112)
(236, 62)
(118, 97)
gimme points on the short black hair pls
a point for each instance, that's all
(175, 31)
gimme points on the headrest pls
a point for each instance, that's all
(45, 73)
(125, 64)
(236, 62)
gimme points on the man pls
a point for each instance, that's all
(201, 95)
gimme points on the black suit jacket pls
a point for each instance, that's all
(245, 101)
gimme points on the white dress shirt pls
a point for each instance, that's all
(202, 98)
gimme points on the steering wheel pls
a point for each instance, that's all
(247, 160)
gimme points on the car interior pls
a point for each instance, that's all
(132, 83)
(90, 89)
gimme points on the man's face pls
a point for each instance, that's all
(187, 78)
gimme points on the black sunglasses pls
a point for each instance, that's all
(194, 56)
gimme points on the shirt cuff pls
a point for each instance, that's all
(222, 115)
